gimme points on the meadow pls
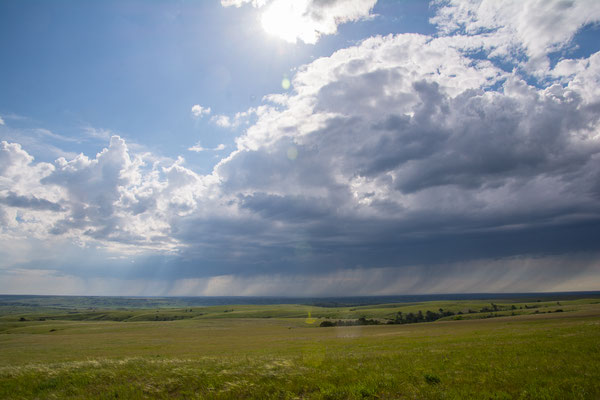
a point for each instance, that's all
(546, 349)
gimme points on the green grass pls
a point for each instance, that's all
(244, 354)
(380, 311)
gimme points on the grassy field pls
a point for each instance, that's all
(245, 351)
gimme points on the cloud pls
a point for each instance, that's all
(19, 173)
(484, 275)
(198, 148)
(240, 118)
(508, 28)
(13, 200)
(48, 133)
(26, 207)
(239, 3)
(114, 199)
(1, 121)
(544, 274)
(405, 151)
(306, 20)
(222, 121)
(97, 133)
(198, 111)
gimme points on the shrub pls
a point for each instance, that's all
(432, 379)
(327, 324)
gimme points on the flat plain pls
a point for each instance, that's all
(544, 349)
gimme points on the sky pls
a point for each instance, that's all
(299, 148)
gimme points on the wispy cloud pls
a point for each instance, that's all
(52, 135)
(97, 133)
(198, 148)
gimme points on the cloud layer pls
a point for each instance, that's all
(410, 159)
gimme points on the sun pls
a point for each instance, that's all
(288, 21)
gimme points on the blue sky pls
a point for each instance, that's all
(314, 147)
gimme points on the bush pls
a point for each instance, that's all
(327, 324)
(432, 379)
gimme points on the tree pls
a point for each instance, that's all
(399, 318)
(431, 316)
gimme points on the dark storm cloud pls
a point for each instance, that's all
(318, 246)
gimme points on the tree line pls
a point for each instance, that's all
(400, 318)
(428, 316)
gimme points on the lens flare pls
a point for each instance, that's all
(292, 153)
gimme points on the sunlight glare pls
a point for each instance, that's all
(287, 20)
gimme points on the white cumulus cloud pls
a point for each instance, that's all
(198, 111)
(115, 199)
